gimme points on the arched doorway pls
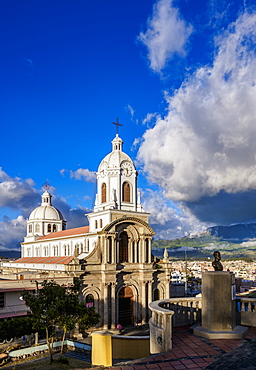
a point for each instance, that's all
(125, 304)
(123, 247)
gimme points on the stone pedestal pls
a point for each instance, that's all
(219, 307)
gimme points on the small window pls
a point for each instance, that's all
(126, 192)
(37, 228)
(100, 222)
(96, 224)
(54, 228)
(2, 305)
(103, 193)
(89, 300)
(30, 228)
(49, 228)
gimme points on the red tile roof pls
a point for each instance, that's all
(69, 232)
(65, 260)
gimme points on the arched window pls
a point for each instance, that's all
(37, 228)
(54, 228)
(49, 228)
(89, 300)
(123, 247)
(30, 228)
(126, 192)
(96, 224)
(103, 193)
(156, 295)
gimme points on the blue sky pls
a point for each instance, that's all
(179, 75)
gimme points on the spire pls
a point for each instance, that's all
(166, 259)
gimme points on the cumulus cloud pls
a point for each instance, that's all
(204, 151)
(22, 196)
(167, 221)
(75, 217)
(12, 232)
(167, 34)
(80, 174)
(17, 193)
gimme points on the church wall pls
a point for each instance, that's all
(60, 247)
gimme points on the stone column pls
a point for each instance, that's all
(105, 306)
(113, 306)
(113, 249)
(144, 301)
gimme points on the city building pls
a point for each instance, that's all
(112, 255)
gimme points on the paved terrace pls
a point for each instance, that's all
(192, 352)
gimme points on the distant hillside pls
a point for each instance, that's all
(237, 233)
(203, 247)
(10, 254)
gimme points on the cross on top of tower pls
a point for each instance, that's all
(46, 186)
(117, 124)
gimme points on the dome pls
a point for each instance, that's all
(46, 211)
(116, 157)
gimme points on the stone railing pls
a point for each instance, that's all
(246, 311)
(168, 313)
(187, 311)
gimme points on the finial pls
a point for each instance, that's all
(46, 186)
(117, 124)
(166, 259)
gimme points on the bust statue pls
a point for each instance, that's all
(216, 263)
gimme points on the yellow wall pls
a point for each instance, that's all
(101, 349)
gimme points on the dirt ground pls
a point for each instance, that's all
(44, 363)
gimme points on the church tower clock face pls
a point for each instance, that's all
(127, 168)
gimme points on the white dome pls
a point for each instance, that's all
(116, 157)
(46, 213)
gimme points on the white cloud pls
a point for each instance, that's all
(167, 221)
(12, 233)
(206, 144)
(80, 174)
(166, 35)
(17, 193)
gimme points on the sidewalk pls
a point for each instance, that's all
(192, 352)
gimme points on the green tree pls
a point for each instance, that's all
(55, 305)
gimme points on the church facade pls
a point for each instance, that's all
(112, 255)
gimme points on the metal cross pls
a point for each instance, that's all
(46, 185)
(117, 124)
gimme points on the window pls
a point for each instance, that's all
(126, 192)
(100, 222)
(54, 228)
(89, 300)
(96, 224)
(123, 247)
(49, 228)
(30, 228)
(2, 300)
(103, 193)
(37, 228)
(156, 295)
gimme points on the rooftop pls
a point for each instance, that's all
(65, 233)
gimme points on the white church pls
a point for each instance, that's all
(112, 255)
